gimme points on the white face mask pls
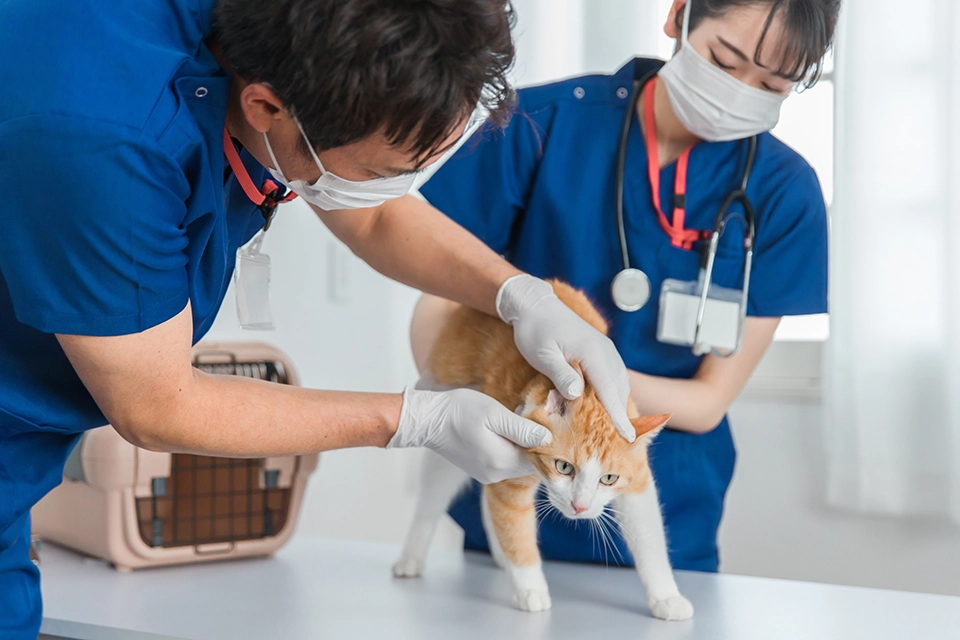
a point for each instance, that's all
(333, 193)
(712, 104)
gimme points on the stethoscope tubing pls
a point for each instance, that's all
(737, 196)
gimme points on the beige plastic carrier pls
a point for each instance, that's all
(138, 508)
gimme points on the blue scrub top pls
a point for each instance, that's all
(542, 193)
(115, 214)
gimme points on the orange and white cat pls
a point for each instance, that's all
(585, 468)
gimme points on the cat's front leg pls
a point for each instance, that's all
(511, 526)
(440, 481)
(642, 526)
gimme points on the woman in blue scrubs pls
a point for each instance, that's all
(542, 193)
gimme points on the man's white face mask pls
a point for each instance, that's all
(710, 103)
(333, 193)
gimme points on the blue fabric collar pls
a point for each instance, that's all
(639, 68)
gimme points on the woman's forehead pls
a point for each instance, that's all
(748, 30)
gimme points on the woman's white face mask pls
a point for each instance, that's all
(711, 103)
(333, 193)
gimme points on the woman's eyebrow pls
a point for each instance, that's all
(734, 49)
(740, 54)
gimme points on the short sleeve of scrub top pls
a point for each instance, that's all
(106, 257)
(542, 193)
(790, 261)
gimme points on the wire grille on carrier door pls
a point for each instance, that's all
(209, 500)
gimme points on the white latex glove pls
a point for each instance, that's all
(550, 335)
(471, 430)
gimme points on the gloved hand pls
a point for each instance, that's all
(550, 335)
(471, 430)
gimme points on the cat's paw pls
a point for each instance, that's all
(532, 600)
(673, 608)
(408, 568)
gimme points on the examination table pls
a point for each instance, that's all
(331, 589)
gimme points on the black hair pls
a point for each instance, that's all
(347, 69)
(808, 30)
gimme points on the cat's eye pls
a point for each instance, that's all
(609, 479)
(564, 468)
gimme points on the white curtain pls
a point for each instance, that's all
(893, 369)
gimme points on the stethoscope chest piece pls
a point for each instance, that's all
(630, 290)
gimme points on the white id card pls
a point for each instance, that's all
(252, 280)
(679, 305)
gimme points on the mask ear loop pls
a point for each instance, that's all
(313, 153)
(685, 32)
(273, 158)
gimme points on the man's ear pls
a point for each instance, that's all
(649, 426)
(670, 28)
(261, 106)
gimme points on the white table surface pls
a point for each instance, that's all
(318, 588)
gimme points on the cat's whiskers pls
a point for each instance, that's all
(593, 537)
(603, 538)
(542, 507)
(607, 524)
(615, 512)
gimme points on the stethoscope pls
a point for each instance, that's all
(630, 288)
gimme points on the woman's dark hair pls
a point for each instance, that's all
(808, 29)
(350, 68)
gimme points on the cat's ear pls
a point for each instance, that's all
(649, 426)
(556, 404)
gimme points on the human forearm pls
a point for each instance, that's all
(170, 405)
(695, 405)
(699, 404)
(410, 241)
(233, 416)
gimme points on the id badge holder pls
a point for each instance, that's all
(679, 310)
(252, 280)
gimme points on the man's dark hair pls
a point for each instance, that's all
(808, 30)
(347, 69)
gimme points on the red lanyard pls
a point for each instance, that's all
(679, 236)
(265, 197)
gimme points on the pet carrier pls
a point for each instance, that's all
(138, 508)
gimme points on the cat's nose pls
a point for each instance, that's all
(577, 508)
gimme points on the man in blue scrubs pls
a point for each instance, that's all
(136, 142)
(543, 191)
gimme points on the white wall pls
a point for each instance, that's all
(562, 38)
(344, 324)
(345, 328)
